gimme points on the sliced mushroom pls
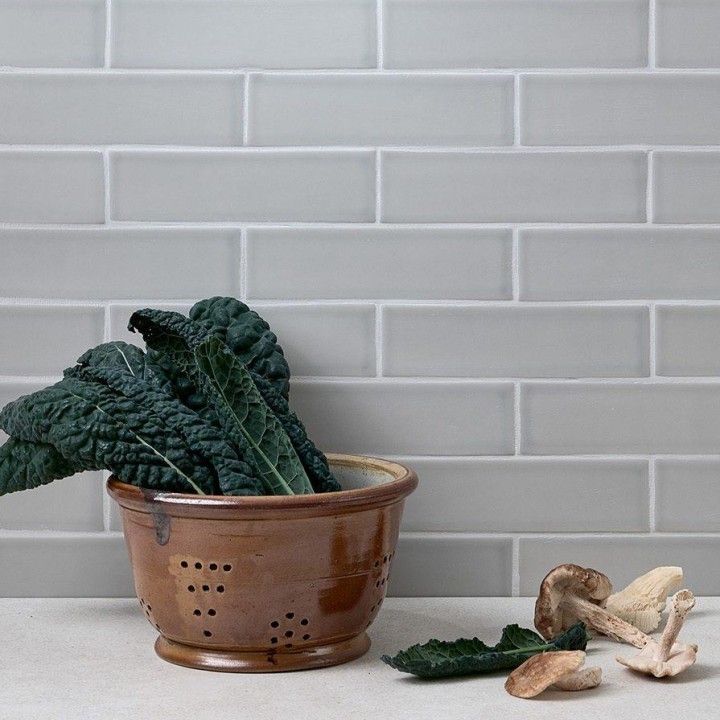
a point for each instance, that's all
(557, 669)
(667, 657)
(570, 593)
(642, 602)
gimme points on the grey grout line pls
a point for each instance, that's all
(106, 186)
(653, 339)
(517, 418)
(515, 265)
(649, 209)
(652, 35)
(243, 269)
(378, 186)
(515, 568)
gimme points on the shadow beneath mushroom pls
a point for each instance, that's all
(563, 696)
(696, 673)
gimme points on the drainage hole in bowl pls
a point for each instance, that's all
(183, 564)
(289, 633)
(273, 640)
(206, 588)
(274, 624)
(197, 612)
(212, 613)
(306, 636)
(198, 566)
(221, 588)
(227, 568)
(304, 621)
(207, 633)
(213, 566)
(290, 615)
(191, 588)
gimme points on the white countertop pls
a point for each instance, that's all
(94, 658)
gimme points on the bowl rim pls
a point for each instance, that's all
(404, 481)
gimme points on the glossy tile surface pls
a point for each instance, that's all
(619, 418)
(243, 185)
(454, 566)
(48, 33)
(686, 185)
(372, 262)
(46, 339)
(111, 108)
(509, 341)
(629, 109)
(619, 264)
(95, 264)
(243, 33)
(51, 187)
(687, 495)
(507, 187)
(349, 109)
(407, 417)
(688, 340)
(527, 495)
(686, 33)
(515, 33)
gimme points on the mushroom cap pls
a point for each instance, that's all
(550, 618)
(541, 671)
(681, 657)
(642, 602)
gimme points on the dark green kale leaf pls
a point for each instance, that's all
(26, 465)
(94, 428)
(136, 378)
(228, 386)
(436, 658)
(252, 341)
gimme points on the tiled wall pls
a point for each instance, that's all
(487, 233)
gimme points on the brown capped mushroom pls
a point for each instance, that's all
(642, 602)
(559, 669)
(667, 657)
(570, 593)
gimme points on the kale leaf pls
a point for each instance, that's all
(229, 389)
(436, 658)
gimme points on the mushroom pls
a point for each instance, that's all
(642, 602)
(559, 669)
(570, 593)
(667, 657)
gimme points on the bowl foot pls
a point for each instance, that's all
(262, 661)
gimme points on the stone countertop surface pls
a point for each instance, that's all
(94, 658)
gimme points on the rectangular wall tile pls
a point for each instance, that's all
(371, 109)
(43, 340)
(565, 419)
(619, 264)
(687, 495)
(622, 559)
(52, 33)
(688, 340)
(373, 263)
(244, 33)
(243, 185)
(686, 187)
(610, 109)
(74, 503)
(99, 264)
(51, 187)
(686, 33)
(379, 418)
(499, 33)
(111, 108)
(432, 340)
(443, 565)
(527, 495)
(513, 187)
(65, 565)
(324, 339)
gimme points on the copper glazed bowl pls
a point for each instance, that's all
(271, 583)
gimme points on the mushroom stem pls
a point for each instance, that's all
(682, 603)
(605, 623)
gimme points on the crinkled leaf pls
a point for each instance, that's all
(206, 442)
(89, 424)
(229, 388)
(26, 465)
(438, 658)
